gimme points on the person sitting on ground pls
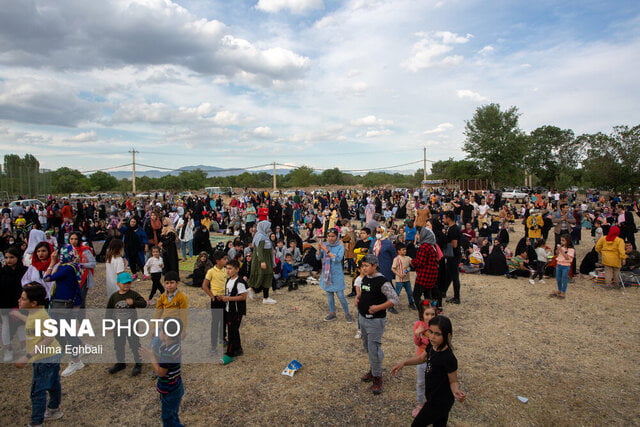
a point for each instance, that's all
(519, 266)
(632, 262)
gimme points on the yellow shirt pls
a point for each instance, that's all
(217, 278)
(44, 351)
(177, 307)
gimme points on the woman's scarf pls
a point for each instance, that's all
(326, 260)
(207, 264)
(427, 236)
(66, 256)
(377, 246)
(167, 227)
(614, 232)
(262, 236)
(35, 237)
(80, 252)
(41, 265)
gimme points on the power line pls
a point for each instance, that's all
(106, 169)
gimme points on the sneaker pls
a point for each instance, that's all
(412, 306)
(453, 300)
(349, 318)
(252, 294)
(330, 317)
(376, 388)
(531, 281)
(134, 276)
(368, 377)
(541, 281)
(137, 370)
(351, 295)
(393, 310)
(34, 425)
(53, 414)
(358, 334)
(72, 368)
(269, 301)
(116, 368)
(8, 356)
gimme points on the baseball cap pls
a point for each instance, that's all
(124, 277)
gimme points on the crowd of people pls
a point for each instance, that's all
(365, 241)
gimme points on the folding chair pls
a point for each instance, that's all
(631, 279)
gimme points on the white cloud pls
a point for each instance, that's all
(226, 118)
(262, 132)
(486, 50)
(294, 6)
(371, 121)
(76, 34)
(84, 137)
(43, 101)
(429, 51)
(376, 133)
(469, 94)
(442, 127)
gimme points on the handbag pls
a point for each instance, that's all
(448, 251)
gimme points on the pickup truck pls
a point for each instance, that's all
(518, 195)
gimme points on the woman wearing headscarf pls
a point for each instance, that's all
(382, 247)
(35, 236)
(87, 262)
(426, 264)
(167, 242)
(135, 245)
(153, 229)
(611, 248)
(331, 254)
(66, 296)
(39, 263)
(10, 289)
(262, 263)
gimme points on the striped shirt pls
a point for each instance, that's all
(170, 360)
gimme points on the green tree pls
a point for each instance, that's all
(331, 177)
(613, 161)
(456, 169)
(301, 177)
(102, 181)
(550, 152)
(194, 179)
(66, 180)
(495, 141)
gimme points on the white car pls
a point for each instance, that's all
(514, 194)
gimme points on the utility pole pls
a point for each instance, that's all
(274, 176)
(424, 163)
(133, 170)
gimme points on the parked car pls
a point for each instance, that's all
(516, 194)
(26, 203)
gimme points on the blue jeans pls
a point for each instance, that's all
(171, 407)
(184, 246)
(332, 301)
(407, 287)
(562, 277)
(46, 378)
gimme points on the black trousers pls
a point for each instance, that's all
(453, 275)
(156, 285)
(233, 321)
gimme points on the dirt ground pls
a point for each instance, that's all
(576, 360)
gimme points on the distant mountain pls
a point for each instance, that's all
(212, 171)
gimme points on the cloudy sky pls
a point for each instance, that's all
(354, 84)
